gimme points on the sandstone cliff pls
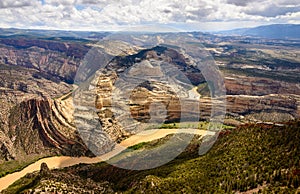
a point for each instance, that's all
(255, 86)
(53, 59)
(34, 73)
(262, 98)
(39, 125)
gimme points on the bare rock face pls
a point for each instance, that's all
(247, 96)
(37, 115)
(154, 94)
(5, 151)
(20, 110)
(37, 126)
(103, 104)
(121, 94)
(44, 171)
(241, 85)
(262, 99)
(33, 120)
(117, 102)
(243, 105)
(53, 60)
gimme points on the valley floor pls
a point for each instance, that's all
(66, 161)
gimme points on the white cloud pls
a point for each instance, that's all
(17, 3)
(60, 2)
(270, 9)
(245, 2)
(113, 14)
(288, 2)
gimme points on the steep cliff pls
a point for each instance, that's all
(37, 126)
(53, 59)
(262, 98)
(33, 73)
(255, 86)
(250, 98)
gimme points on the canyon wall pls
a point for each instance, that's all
(37, 114)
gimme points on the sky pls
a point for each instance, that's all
(114, 15)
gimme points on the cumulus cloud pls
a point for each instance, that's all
(59, 2)
(16, 3)
(288, 2)
(258, 2)
(269, 9)
(114, 14)
(244, 2)
(273, 11)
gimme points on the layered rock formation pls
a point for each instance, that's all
(118, 101)
(33, 73)
(262, 99)
(41, 126)
(54, 60)
(247, 105)
(143, 79)
(255, 86)
(248, 97)
(125, 95)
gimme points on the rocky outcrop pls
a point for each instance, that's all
(36, 126)
(255, 86)
(122, 81)
(247, 105)
(19, 80)
(54, 61)
(103, 105)
(245, 95)
(34, 72)
(71, 49)
(262, 99)
(6, 150)
(44, 170)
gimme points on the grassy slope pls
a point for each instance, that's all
(12, 166)
(243, 159)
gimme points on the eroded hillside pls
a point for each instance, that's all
(36, 110)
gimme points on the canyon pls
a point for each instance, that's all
(39, 114)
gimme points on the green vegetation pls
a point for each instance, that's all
(261, 157)
(275, 75)
(21, 185)
(137, 146)
(245, 159)
(281, 66)
(203, 125)
(204, 90)
(9, 167)
(183, 125)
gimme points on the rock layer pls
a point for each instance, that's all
(36, 126)
(53, 60)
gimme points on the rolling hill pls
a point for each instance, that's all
(275, 31)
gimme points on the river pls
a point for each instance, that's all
(65, 161)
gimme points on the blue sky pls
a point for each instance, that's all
(102, 15)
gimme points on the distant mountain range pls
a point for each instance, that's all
(275, 31)
(44, 34)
